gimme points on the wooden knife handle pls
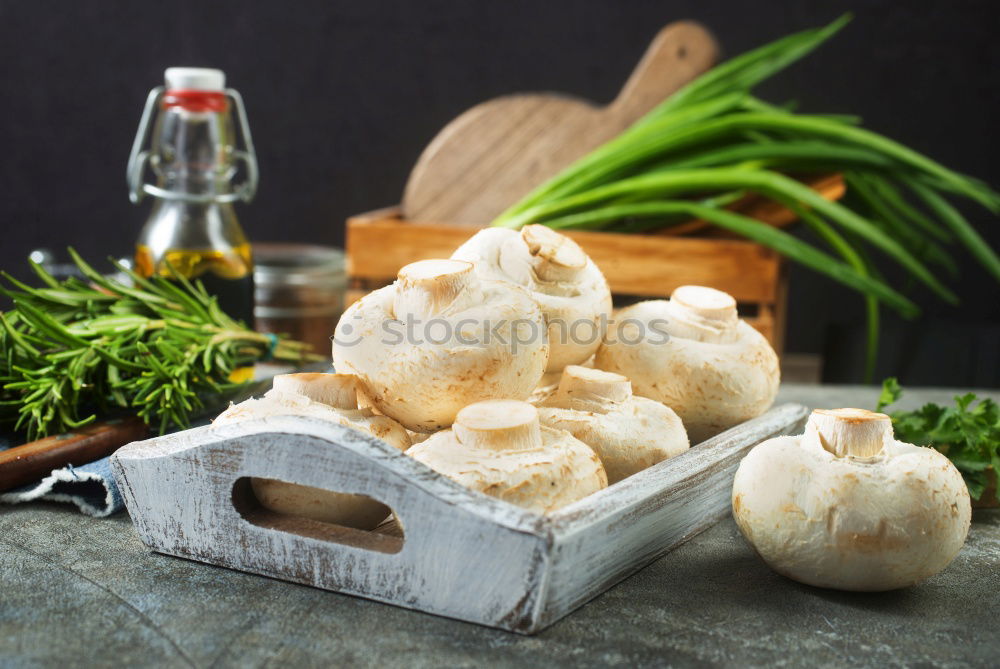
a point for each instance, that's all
(23, 464)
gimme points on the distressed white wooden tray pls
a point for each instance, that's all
(464, 555)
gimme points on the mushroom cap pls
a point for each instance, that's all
(331, 397)
(713, 369)
(337, 390)
(866, 523)
(568, 287)
(628, 433)
(487, 341)
(319, 504)
(498, 448)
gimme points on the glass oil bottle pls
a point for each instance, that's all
(193, 155)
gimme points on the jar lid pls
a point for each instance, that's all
(195, 79)
(291, 264)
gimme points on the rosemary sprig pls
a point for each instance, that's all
(160, 348)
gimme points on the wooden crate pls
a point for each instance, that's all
(462, 554)
(642, 266)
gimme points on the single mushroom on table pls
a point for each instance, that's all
(847, 506)
(627, 432)
(330, 397)
(567, 285)
(439, 338)
(499, 448)
(694, 354)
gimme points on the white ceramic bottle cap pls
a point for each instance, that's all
(195, 79)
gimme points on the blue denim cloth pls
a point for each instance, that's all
(90, 487)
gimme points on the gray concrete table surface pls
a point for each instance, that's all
(79, 591)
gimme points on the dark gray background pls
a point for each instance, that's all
(342, 96)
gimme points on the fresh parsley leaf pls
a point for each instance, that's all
(967, 433)
(890, 393)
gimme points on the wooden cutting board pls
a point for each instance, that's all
(493, 154)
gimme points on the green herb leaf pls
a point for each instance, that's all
(967, 433)
(890, 393)
(156, 347)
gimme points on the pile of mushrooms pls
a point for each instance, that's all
(695, 355)
(448, 355)
(330, 397)
(711, 371)
(847, 506)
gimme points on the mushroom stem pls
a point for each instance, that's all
(849, 432)
(703, 314)
(499, 425)
(427, 287)
(555, 258)
(582, 388)
(336, 390)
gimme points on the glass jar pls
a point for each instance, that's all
(299, 291)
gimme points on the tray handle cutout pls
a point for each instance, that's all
(353, 520)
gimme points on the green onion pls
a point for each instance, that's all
(712, 142)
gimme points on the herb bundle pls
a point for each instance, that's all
(713, 142)
(160, 348)
(968, 433)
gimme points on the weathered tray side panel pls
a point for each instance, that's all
(611, 534)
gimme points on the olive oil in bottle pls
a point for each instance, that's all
(228, 275)
(192, 227)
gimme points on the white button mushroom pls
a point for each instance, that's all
(331, 397)
(696, 356)
(568, 286)
(439, 338)
(499, 448)
(628, 433)
(847, 506)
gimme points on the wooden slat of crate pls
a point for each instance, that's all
(380, 242)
